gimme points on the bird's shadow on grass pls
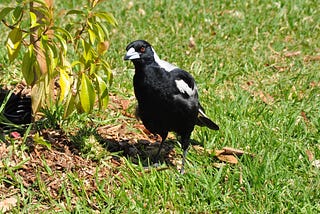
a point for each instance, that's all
(137, 150)
(142, 151)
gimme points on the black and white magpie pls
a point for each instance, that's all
(167, 96)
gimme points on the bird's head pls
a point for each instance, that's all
(140, 51)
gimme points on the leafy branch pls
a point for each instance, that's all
(68, 51)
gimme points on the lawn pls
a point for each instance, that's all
(256, 64)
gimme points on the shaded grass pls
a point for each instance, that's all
(265, 102)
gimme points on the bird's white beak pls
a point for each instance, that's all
(131, 54)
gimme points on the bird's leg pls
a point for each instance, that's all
(185, 141)
(184, 156)
(163, 137)
(158, 152)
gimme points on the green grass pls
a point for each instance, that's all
(240, 59)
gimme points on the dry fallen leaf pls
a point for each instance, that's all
(266, 98)
(7, 204)
(312, 58)
(192, 43)
(125, 104)
(305, 118)
(314, 84)
(292, 53)
(310, 155)
(219, 152)
(228, 158)
(233, 151)
(280, 68)
(142, 12)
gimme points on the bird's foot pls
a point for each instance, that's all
(182, 171)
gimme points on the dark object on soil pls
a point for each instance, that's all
(17, 110)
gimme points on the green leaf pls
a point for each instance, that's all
(87, 93)
(107, 71)
(88, 53)
(71, 12)
(100, 33)
(17, 13)
(103, 92)
(51, 54)
(14, 43)
(102, 29)
(69, 105)
(27, 65)
(63, 43)
(107, 17)
(41, 141)
(64, 33)
(5, 12)
(65, 83)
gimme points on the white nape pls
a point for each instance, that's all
(163, 64)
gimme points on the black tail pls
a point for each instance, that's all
(204, 120)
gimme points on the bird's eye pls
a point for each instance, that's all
(142, 49)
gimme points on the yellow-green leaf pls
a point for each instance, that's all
(33, 18)
(108, 17)
(63, 43)
(63, 33)
(41, 141)
(87, 53)
(92, 36)
(14, 43)
(65, 83)
(103, 92)
(71, 12)
(87, 93)
(69, 105)
(27, 65)
(37, 95)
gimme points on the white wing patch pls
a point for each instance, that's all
(184, 88)
(163, 64)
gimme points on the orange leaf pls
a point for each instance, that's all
(310, 155)
(228, 158)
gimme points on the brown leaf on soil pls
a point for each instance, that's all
(125, 104)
